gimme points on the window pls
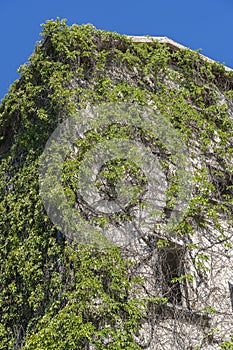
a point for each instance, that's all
(231, 293)
(170, 265)
(171, 268)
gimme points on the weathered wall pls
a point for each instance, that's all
(76, 68)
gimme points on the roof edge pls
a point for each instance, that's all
(173, 44)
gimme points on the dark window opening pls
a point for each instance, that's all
(171, 264)
(171, 268)
(231, 293)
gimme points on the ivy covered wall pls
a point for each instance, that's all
(55, 293)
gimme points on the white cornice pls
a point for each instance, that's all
(173, 44)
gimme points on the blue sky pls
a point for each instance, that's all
(205, 24)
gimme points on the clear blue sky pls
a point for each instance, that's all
(205, 24)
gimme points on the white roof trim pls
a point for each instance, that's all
(173, 44)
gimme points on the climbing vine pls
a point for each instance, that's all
(55, 293)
